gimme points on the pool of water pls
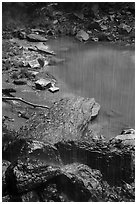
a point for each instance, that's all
(104, 72)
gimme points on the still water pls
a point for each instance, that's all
(104, 72)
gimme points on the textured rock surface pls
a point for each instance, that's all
(66, 120)
(58, 157)
(31, 149)
(27, 174)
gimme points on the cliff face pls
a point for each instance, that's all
(56, 157)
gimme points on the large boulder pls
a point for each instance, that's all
(67, 119)
(77, 181)
(27, 174)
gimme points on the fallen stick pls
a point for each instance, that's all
(22, 100)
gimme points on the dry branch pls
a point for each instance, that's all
(26, 102)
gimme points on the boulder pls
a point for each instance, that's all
(41, 47)
(84, 182)
(26, 174)
(66, 120)
(82, 35)
(31, 179)
(124, 140)
(53, 89)
(43, 84)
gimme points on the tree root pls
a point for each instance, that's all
(26, 102)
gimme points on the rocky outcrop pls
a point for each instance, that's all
(59, 157)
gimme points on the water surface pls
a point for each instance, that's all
(104, 72)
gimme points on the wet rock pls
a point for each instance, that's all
(34, 64)
(125, 27)
(36, 38)
(95, 39)
(93, 25)
(53, 89)
(5, 165)
(104, 27)
(116, 164)
(55, 22)
(124, 140)
(32, 48)
(128, 131)
(76, 182)
(79, 15)
(31, 149)
(118, 193)
(31, 196)
(27, 174)
(102, 37)
(22, 35)
(45, 49)
(43, 84)
(67, 120)
(43, 62)
(51, 193)
(40, 31)
(82, 152)
(82, 35)
(83, 182)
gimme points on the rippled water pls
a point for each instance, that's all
(104, 72)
